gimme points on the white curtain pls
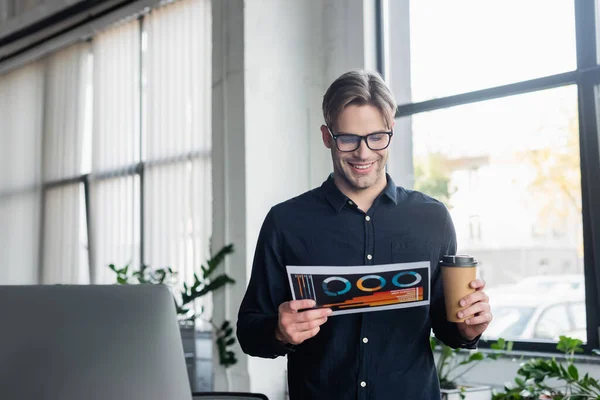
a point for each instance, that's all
(65, 245)
(116, 144)
(21, 99)
(68, 77)
(177, 195)
(147, 98)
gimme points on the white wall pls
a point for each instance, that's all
(273, 61)
(400, 165)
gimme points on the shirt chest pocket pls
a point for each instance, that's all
(412, 250)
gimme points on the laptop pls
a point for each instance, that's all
(90, 342)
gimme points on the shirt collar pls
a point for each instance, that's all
(337, 199)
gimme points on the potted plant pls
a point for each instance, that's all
(552, 379)
(184, 300)
(452, 364)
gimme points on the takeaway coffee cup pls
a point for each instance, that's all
(457, 273)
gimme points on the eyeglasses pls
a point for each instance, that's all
(347, 142)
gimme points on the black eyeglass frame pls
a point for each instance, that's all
(364, 138)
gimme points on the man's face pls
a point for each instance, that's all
(363, 168)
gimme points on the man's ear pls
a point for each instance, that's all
(326, 136)
(392, 128)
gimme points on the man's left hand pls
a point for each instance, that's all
(476, 305)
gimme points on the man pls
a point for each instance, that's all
(357, 217)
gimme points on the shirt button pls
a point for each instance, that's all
(350, 202)
(365, 340)
(368, 218)
(363, 383)
(369, 257)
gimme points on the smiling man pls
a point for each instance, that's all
(358, 216)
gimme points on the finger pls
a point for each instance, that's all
(307, 326)
(483, 318)
(310, 315)
(296, 305)
(474, 298)
(474, 310)
(302, 336)
(477, 284)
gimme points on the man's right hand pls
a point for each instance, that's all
(295, 327)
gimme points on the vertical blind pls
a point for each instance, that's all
(178, 124)
(21, 112)
(64, 253)
(116, 145)
(127, 116)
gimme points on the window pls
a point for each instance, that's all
(115, 146)
(493, 118)
(528, 173)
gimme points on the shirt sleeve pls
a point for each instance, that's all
(267, 289)
(444, 330)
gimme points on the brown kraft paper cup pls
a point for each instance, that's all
(457, 273)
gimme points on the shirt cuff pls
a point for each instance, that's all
(469, 344)
(278, 348)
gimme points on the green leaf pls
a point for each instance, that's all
(121, 280)
(498, 345)
(225, 325)
(230, 342)
(472, 358)
(519, 381)
(433, 343)
(218, 282)
(215, 261)
(573, 372)
(112, 267)
(568, 345)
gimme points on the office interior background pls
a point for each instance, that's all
(155, 132)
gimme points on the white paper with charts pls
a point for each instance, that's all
(362, 288)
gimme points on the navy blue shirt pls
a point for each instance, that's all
(373, 355)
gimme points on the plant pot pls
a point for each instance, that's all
(187, 329)
(469, 392)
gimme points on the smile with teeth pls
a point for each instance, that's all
(361, 166)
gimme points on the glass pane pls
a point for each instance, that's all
(116, 226)
(65, 244)
(116, 130)
(177, 106)
(466, 45)
(552, 323)
(66, 90)
(19, 238)
(508, 170)
(177, 221)
(579, 316)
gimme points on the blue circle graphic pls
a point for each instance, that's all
(336, 278)
(417, 276)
